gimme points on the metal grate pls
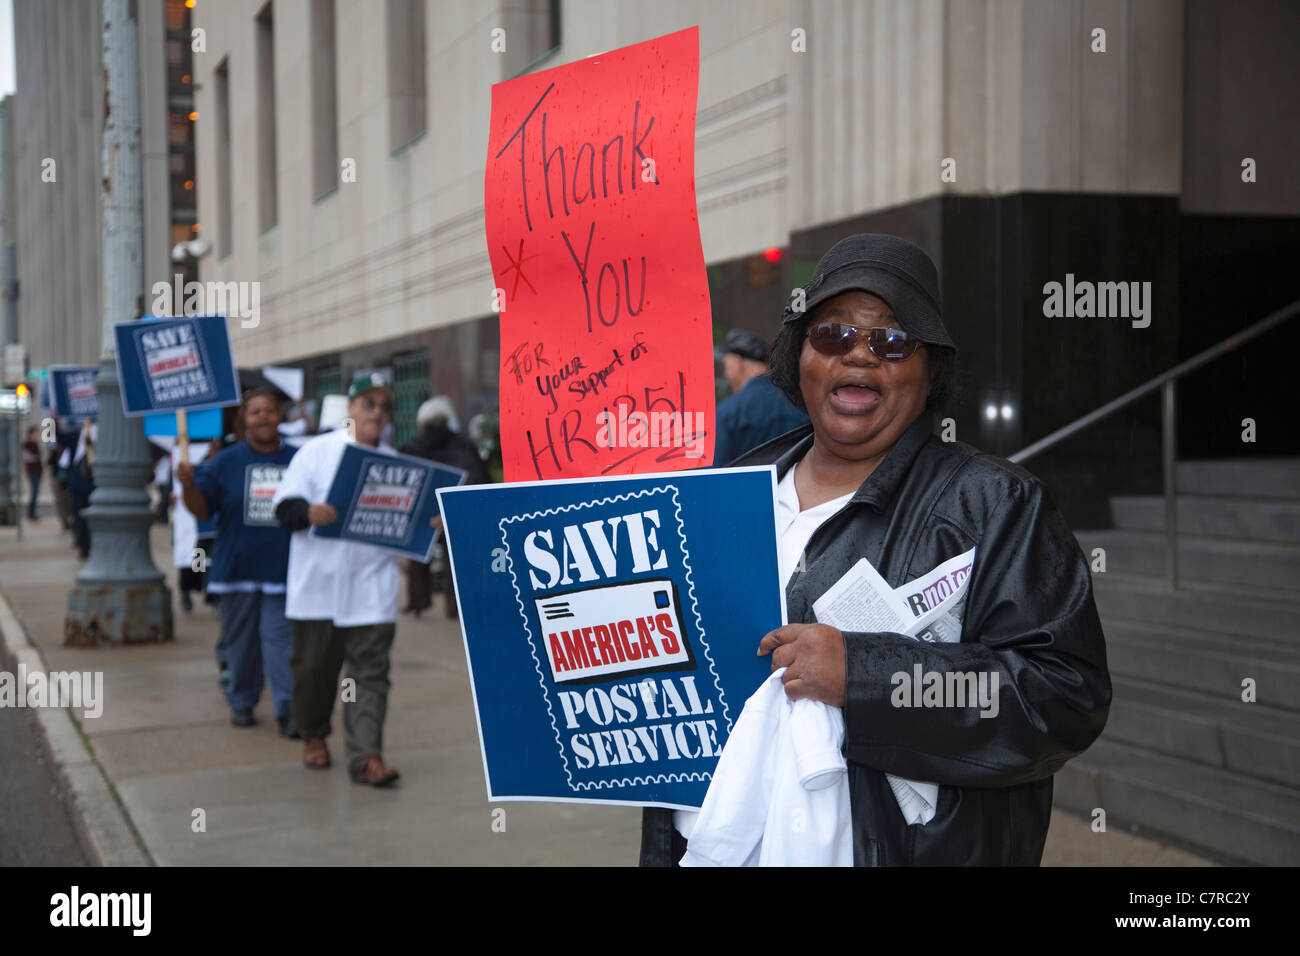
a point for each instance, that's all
(329, 381)
(411, 384)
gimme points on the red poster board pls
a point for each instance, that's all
(606, 332)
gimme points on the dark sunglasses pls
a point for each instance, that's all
(840, 338)
(369, 404)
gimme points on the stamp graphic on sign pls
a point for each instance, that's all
(72, 391)
(386, 498)
(81, 394)
(614, 630)
(261, 482)
(175, 361)
(607, 650)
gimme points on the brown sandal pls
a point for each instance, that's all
(315, 755)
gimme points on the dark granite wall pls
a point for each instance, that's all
(1210, 276)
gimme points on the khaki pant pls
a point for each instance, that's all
(319, 651)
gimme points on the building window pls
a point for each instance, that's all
(179, 129)
(324, 99)
(268, 212)
(221, 94)
(329, 381)
(176, 16)
(532, 34)
(406, 72)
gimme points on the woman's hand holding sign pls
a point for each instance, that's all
(813, 656)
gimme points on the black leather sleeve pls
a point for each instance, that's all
(1031, 624)
(292, 514)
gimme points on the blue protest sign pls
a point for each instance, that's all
(168, 364)
(72, 391)
(611, 627)
(387, 500)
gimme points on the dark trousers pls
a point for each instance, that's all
(34, 483)
(256, 640)
(61, 503)
(419, 586)
(80, 527)
(319, 651)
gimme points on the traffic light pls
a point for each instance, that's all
(765, 267)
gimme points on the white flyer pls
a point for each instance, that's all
(861, 600)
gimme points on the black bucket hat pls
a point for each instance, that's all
(746, 345)
(896, 270)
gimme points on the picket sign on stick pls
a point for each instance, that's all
(176, 365)
(592, 229)
(183, 434)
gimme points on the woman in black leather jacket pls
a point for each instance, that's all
(868, 360)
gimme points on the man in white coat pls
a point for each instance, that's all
(342, 597)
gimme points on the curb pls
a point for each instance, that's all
(103, 829)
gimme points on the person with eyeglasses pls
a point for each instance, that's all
(870, 360)
(342, 597)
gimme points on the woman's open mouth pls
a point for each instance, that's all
(854, 399)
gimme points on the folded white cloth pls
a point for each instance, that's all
(780, 792)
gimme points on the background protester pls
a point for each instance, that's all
(65, 441)
(32, 465)
(81, 485)
(439, 440)
(248, 571)
(756, 411)
(342, 597)
(190, 535)
(163, 481)
(868, 479)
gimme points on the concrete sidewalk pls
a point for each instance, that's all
(164, 749)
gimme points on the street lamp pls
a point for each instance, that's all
(119, 595)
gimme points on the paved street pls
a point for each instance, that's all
(165, 743)
(34, 825)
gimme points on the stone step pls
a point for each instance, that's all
(1219, 812)
(1249, 477)
(1255, 519)
(1204, 663)
(1251, 739)
(1254, 613)
(1222, 560)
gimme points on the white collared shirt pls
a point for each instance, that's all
(349, 583)
(794, 529)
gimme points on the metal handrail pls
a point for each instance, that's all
(1165, 382)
